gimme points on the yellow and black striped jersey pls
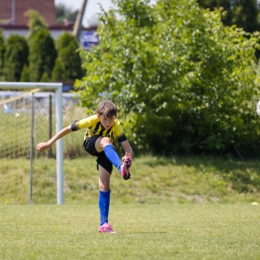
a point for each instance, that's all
(94, 127)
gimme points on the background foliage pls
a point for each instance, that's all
(68, 63)
(42, 55)
(243, 13)
(183, 80)
(37, 57)
(36, 23)
(65, 14)
(186, 82)
(2, 51)
(15, 57)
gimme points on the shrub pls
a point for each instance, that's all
(42, 55)
(15, 57)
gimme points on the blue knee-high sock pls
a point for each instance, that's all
(112, 156)
(104, 201)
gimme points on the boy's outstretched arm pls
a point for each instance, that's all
(41, 147)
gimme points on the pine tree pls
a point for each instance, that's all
(242, 13)
(2, 51)
(42, 55)
(68, 63)
(15, 57)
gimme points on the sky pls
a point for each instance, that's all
(92, 7)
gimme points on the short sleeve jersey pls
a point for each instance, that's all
(94, 127)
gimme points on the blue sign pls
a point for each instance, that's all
(88, 39)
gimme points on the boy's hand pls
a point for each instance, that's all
(41, 147)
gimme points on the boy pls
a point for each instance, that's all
(102, 130)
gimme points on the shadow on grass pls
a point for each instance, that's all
(244, 176)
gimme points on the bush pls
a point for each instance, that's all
(68, 63)
(15, 57)
(42, 55)
(184, 81)
(2, 51)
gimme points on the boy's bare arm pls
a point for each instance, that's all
(127, 147)
(41, 147)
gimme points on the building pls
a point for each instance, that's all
(13, 21)
(12, 11)
(22, 30)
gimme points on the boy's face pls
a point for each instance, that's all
(107, 122)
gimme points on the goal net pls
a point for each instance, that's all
(32, 113)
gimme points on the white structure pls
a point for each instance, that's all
(87, 38)
(59, 146)
(21, 30)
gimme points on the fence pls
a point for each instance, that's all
(20, 131)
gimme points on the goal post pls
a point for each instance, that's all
(58, 107)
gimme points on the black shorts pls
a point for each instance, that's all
(89, 146)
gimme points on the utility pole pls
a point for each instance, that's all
(78, 23)
(13, 11)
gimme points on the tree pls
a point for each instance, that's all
(58, 71)
(65, 14)
(45, 77)
(15, 57)
(242, 13)
(25, 75)
(184, 81)
(42, 55)
(2, 51)
(68, 63)
(35, 24)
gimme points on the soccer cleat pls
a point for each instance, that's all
(125, 173)
(127, 162)
(127, 159)
(106, 228)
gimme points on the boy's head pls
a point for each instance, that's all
(107, 109)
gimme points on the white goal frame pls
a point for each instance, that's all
(59, 145)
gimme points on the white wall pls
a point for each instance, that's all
(23, 32)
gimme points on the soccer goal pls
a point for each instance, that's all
(19, 110)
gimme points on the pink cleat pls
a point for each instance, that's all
(127, 159)
(106, 228)
(127, 162)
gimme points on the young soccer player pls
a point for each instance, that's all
(103, 129)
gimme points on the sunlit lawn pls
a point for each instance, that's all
(159, 231)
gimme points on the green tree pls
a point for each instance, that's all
(58, 71)
(2, 51)
(184, 81)
(65, 14)
(68, 62)
(45, 77)
(15, 57)
(25, 75)
(35, 24)
(242, 13)
(42, 55)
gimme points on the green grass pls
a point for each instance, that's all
(172, 208)
(166, 231)
(198, 180)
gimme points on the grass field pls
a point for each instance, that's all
(166, 231)
(172, 208)
(154, 180)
